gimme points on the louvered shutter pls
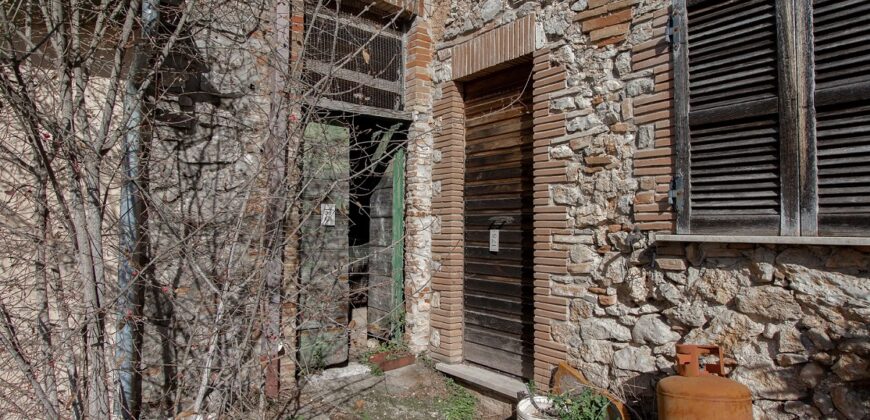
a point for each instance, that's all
(727, 82)
(841, 32)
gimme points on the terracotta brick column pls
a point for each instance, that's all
(550, 221)
(448, 241)
(653, 161)
(288, 38)
(418, 174)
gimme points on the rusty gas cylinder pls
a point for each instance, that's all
(700, 393)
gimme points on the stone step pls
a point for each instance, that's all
(503, 385)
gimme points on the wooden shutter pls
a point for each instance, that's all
(841, 33)
(727, 82)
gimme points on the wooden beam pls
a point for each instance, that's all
(333, 105)
(358, 22)
(682, 178)
(808, 169)
(791, 132)
(330, 70)
(775, 240)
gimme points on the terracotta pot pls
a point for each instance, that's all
(387, 361)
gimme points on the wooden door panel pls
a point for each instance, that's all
(499, 308)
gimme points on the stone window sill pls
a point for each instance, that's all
(777, 240)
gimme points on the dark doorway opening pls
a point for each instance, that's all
(348, 260)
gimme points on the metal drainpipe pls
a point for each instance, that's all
(130, 287)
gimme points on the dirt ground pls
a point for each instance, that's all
(413, 392)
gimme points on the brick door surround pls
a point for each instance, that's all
(485, 52)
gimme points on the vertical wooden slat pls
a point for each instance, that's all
(680, 45)
(808, 171)
(791, 129)
(398, 244)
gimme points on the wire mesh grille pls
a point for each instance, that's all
(354, 59)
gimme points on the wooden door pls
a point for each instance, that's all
(323, 296)
(498, 308)
(386, 252)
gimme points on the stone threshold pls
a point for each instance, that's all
(777, 240)
(503, 385)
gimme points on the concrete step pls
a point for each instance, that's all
(503, 385)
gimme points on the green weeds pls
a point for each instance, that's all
(459, 404)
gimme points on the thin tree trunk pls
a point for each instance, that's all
(67, 336)
(9, 340)
(43, 321)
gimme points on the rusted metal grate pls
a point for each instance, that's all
(356, 60)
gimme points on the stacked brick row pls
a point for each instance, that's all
(447, 239)
(653, 161)
(495, 48)
(606, 22)
(550, 221)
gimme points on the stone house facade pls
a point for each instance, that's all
(611, 270)
(616, 280)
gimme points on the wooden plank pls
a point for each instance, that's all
(506, 288)
(503, 385)
(333, 105)
(681, 117)
(501, 270)
(484, 175)
(772, 239)
(500, 341)
(494, 203)
(398, 251)
(506, 236)
(503, 128)
(753, 224)
(806, 124)
(503, 361)
(330, 70)
(493, 189)
(501, 323)
(504, 253)
(496, 305)
(791, 129)
(491, 118)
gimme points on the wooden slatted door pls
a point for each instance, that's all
(498, 307)
(323, 298)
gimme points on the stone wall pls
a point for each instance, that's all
(794, 319)
(207, 182)
(418, 186)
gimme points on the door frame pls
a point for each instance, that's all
(551, 221)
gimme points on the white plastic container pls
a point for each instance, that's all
(527, 411)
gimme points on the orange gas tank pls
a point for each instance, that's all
(697, 393)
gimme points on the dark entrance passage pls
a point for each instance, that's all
(498, 284)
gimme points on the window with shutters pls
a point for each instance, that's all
(772, 105)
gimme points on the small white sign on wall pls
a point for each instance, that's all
(493, 240)
(327, 214)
